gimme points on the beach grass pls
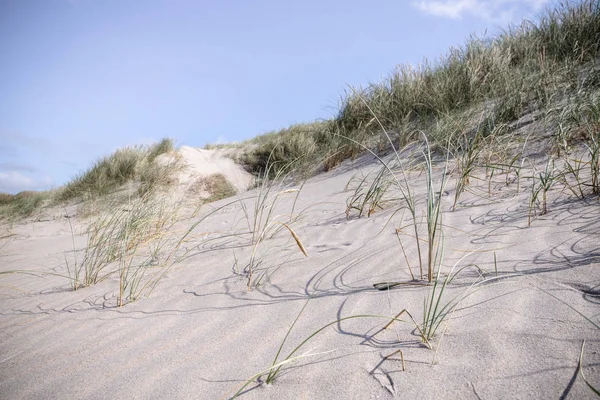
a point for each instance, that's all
(124, 165)
(369, 195)
(265, 219)
(22, 204)
(116, 235)
(215, 185)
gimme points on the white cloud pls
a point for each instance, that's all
(14, 182)
(449, 9)
(498, 11)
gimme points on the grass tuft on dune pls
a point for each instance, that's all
(124, 165)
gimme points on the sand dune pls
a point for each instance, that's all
(201, 333)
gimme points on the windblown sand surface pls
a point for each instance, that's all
(202, 334)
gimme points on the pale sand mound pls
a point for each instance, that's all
(198, 165)
(201, 333)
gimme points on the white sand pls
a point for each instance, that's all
(201, 334)
(197, 164)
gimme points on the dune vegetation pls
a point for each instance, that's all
(132, 164)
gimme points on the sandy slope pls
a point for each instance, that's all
(201, 334)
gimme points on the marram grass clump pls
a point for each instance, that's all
(22, 204)
(125, 165)
(131, 164)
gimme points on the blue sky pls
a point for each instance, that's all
(81, 78)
